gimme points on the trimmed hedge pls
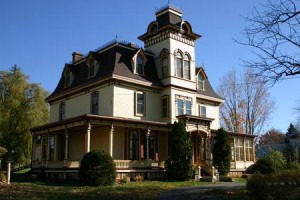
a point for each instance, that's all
(97, 168)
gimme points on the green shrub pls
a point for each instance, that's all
(179, 164)
(277, 160)
(263, 166)
(125, 180)
(294, 165)
(97, 168)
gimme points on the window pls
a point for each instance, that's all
(62, 111)
(52, 147)
(249, 149)
(140, 65)
(188, 107)
(67, 78)
(44, 148)
(140, 103)
(137, 144)
(165, 107)
(95, 103)
(179, 64)
(180, 106)
(186, 67)
(202, 111)
(92, 68)
(200, 82)
(231, 142)
(164, 63)
(239, 151)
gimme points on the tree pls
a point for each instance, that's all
(179, 164)
(271, 136)
(221, 152)
(22, 107)
(247, 106)
(273, 33)
(292, 132)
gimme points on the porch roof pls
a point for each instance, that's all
(192, 119)
(101, 120)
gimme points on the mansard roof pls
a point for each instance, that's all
(115, 61)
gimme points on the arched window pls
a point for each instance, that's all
(164, 56)
(92, 68)
(200, 82)
(186, 67)
(62, 111)
(140, 65)
(95, 103)
(179, 65)
(185, 28)
(154, 28)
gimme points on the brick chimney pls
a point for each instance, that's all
(76, 57)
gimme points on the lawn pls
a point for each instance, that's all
(24, 188)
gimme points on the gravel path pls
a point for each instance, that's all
(210, 192)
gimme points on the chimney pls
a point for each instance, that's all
(76, 57)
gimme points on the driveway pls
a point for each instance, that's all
(214, 191)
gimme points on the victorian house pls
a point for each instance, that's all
(123, 99)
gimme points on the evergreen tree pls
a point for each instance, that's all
(179, 164)
(221, 152)
(292, 132)
(22, 107)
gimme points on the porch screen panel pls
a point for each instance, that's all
(231, 142)
(239, 151)
(133, 145)
(249, 150)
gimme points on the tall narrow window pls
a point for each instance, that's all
(165, 107)
(200, 82)
(249, 149)
(179, 64)
(186, 67)
(202, 111)
(92, 68)
(95, 103)
(231, 142)
(239, 151)
(133, 144)
(188, 107)
(52, 147)
(140, 65)
(180, 106)
(140, 103)
(164, 63)
(62, 111)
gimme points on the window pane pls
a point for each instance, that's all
(95, 103)
(139, 103)
(179, 67)
(165, 105)
(133, 145)
(187, 69)
(200, 82)
(92, 68)
(140, 62)
(180, 107)
(188, 107)
(164, 67)
(203, 111)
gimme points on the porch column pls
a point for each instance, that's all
(111, 140)
(66, 144)
(88, 138)
(147, 143)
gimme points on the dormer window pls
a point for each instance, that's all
(164, 59)
(93, 67)
(200, 82)
(140, 65)
(68, 76)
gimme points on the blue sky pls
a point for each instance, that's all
(40, 36)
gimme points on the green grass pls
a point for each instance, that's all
(132, 190)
